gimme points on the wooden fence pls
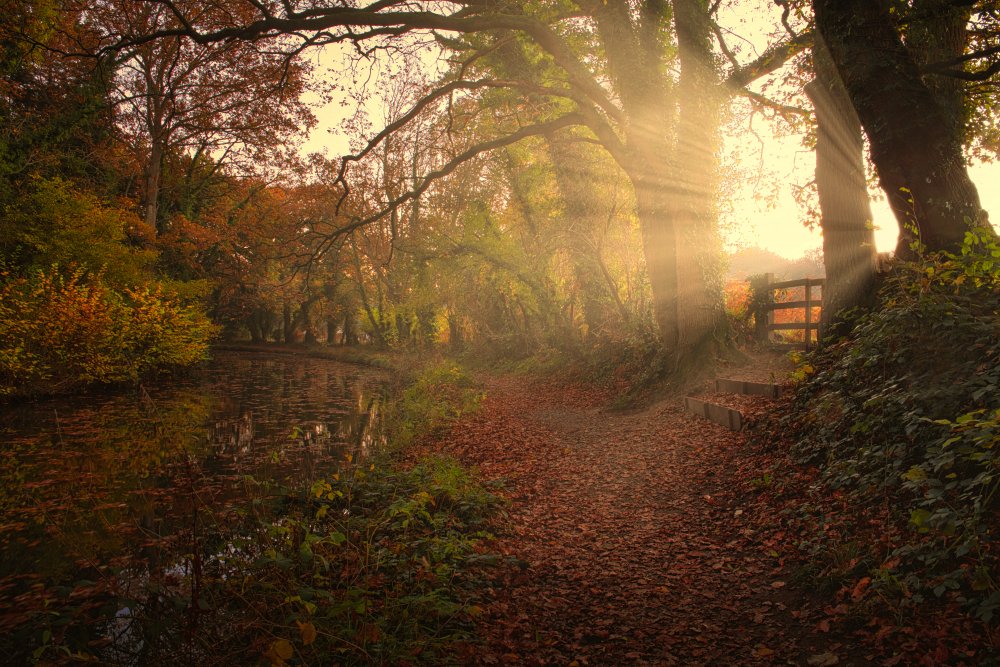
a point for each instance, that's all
(766, 287)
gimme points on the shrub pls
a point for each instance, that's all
(58, 331)
(436, 397)
(54, 222)
(907, 408)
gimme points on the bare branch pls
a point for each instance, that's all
(319, 19)
(547, 127)
(770, 61)
(423, 103)
(783, 109)
(946, 67)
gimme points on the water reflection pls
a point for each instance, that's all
(98, 493)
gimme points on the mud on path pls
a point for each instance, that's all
(635, 543)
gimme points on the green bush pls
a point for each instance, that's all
(55, 222)
(60, 331)
(907, 408)
(437, 396)
(376, 569)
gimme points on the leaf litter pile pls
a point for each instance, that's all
(656, 538)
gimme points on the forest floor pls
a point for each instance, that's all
(639, 539)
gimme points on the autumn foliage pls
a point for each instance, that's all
(58, 331)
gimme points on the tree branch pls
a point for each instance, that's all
(318, 19)
(470, 153)
(946, 67)
(769, 61)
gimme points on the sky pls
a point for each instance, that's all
(776, 224)
(760, 209)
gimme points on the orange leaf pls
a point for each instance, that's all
(308, 632)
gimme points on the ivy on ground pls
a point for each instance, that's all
(902, 415)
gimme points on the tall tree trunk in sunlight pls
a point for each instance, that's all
(638, 69)
(670, 142)
(848, 237)
(920, 165)
(694, 174)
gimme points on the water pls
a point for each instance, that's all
(102, 494)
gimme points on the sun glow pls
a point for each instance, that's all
(763, 165)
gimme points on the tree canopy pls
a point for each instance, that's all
(564, 158)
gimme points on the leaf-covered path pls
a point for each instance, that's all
(633, 542)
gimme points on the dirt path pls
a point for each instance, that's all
(635, 542)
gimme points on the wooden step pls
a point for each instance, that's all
(727, 386)
(720, 414)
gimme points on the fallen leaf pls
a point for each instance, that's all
(308, 632)
(280, 651)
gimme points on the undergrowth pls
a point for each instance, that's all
(377, 562)
(432, 396)
(59, 332)
(902, 416)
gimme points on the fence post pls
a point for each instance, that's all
(760, 287)
(808, 314)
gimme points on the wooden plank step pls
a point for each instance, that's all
(720, 414)
(728, 386)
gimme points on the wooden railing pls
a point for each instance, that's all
(809, 325)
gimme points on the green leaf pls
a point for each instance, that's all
(918, 518)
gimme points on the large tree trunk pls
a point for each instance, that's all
(694, 174)
(637, 68)
(937, 31)
(919, 162)
(848, 237)
(659, 245)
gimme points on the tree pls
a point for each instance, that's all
(221, 100)
(641, 119)
(848, 236)
(914, 143)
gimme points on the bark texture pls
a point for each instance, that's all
(670, 157)
(919, 163)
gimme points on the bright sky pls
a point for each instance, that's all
(760, 209)
(764, 212)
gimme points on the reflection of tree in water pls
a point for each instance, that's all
(150, 485)
(233, 437)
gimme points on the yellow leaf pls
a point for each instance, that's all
(280, 651)
(308, 631)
